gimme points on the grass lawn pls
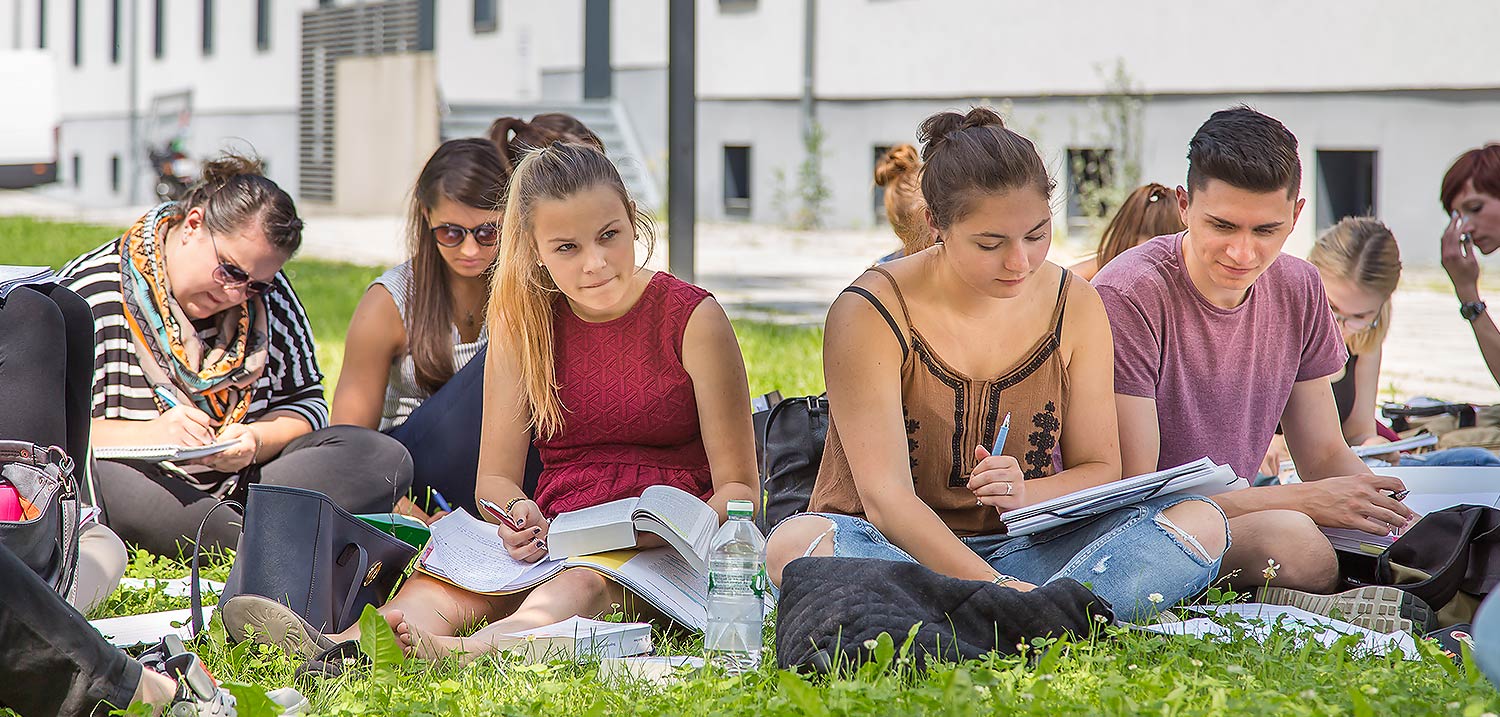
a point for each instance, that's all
(1112, 672)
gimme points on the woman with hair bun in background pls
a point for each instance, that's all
(899, 172)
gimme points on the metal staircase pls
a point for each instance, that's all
(607, 119)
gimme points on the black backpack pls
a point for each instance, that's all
(791, 446)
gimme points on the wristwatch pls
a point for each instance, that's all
(1471, 310)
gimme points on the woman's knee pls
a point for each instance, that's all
(797, 537)
(1199, 525)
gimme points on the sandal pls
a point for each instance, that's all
(267, 622)
(331, 663)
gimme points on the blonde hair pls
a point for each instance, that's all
(522, 293)
(899, 171)
(1361, 250)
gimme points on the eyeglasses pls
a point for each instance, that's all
(452, 235)
(1355, 323)
(232, 277)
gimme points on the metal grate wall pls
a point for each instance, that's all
(331, 33)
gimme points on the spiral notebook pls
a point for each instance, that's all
(157, 454)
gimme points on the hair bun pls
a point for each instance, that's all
(900, 161)
(939, 127)
(226, 166)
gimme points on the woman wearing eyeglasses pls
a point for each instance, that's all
(199, 338)
(1360, 265)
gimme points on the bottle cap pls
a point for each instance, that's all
(741, 509)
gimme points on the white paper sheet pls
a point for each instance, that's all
(1264, 618)
(149, 628)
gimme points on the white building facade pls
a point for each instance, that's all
(1382, 94)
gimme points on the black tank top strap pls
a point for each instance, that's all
(889, 320)
(1062, 303)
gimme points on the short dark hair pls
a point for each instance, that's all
(1481, 166)
(1245, 149)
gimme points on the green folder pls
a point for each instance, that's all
(406, 528)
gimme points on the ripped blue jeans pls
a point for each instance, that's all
(1128, 556)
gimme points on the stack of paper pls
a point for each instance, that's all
(14, 276)
(578, 638)
(156, 454)
(1368, 453)
(150, 628)
(1263, 619)
(1202, 477)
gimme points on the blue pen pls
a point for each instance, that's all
(441, 501)
(166, 397)
(1001, 435)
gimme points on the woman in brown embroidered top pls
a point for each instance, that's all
(925, 358)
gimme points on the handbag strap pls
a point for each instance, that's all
(355, 584)
(194, 591)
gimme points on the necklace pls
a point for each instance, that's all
(469, 318)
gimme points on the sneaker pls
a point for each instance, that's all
(198, 695)
(1381, 608)
(267, 622)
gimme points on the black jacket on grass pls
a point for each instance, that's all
(829, 607)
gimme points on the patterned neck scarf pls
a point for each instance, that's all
(217, 374)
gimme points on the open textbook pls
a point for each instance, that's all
(679, 517)
(156, 454)
(1201, 477)
(468, 552)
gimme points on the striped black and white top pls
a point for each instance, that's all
(291, 382)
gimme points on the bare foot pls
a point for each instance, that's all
(419, 644)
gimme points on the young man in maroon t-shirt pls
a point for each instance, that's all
(1219, 337)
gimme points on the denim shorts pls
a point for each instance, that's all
(1126, 556)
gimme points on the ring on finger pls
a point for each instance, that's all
(1010, 488)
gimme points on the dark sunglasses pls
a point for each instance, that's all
(452, 235)
(232, 277)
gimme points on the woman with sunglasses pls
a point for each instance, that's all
(414, 361)
(1360, 265)
(422, 322)
(199, 338)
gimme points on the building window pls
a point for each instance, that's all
(77, 33)
(1090, 172)
(159, 32)
(736, 181)
(41, 24)
(263, 25)
(486, 15)
(114, 173)
(114, 32)
(877, 193)
(1346, 185)
(77, 171)
(208, 28)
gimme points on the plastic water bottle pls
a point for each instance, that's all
(736, 592)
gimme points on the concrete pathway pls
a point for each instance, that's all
(781, 275)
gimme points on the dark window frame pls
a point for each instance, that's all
(207, 28)
(486, 16)
(1091, 165)
(159, 29)
(877, 192)
(78, 33)
(262, 25)
(115, 30)
(738, 203)
(114, 173)
(1357, 195)
(41, 24)
(77, 170)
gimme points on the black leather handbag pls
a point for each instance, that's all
(1458, 548)
(47, 542)
(792, 450)
(302, 550)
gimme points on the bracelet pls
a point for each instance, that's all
(1002, 579)
(511, 504)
